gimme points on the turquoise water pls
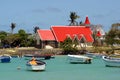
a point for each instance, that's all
(59, 69)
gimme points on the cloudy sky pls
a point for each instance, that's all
(45, 13)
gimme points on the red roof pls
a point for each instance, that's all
(45, 35)
(61, 32)
(79, 37)
(87, 22)
(98, 34)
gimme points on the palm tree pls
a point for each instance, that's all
(73, 17)
(13, 25)
(35, 29)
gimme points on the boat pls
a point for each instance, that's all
(38, 56)
(36, 65)
(111, 61)
(14, 56)
(94, 55)
(28, 56)
(79, 59)
(5, 58)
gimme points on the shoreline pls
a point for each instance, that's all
(56, 51)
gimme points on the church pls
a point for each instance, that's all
(57, 34)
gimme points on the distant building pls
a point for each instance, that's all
(58, 34)
(45, 37)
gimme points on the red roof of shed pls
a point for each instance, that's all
(61, 32)
(45, 35)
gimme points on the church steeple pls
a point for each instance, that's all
(87, 22)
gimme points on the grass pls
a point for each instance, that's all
(56, 51)
(103, 49)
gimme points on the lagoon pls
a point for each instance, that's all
(59, 69)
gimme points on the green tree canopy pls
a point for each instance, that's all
(68, 47)
(12, 40)
(23, 37)
(3, 34)
(113, 36)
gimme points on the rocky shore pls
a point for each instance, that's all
(30, 50)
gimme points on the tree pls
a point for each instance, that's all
(76, 42)
(113, 36)
(116, 27)
(30, 41)
(67, 46)
(23, 37)
(73, 17)
(3, 35)
(13, 25)
(12, 40)
(35, 29)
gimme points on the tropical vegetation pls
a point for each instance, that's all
(73, 17)
(20, 39)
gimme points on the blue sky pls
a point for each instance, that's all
(45, 13)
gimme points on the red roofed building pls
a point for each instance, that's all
(45, 37)
(58, 34)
